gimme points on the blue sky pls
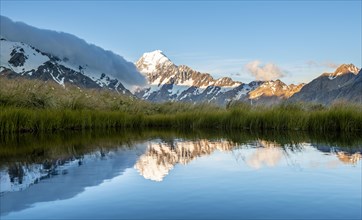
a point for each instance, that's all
(301, 39)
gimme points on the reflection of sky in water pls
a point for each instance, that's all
(199, 179)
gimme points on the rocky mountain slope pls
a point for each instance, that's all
(169, 82)
(343, 84)
(22, 60)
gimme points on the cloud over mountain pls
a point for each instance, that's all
(261, 71)
(329, 64)
(76, 50)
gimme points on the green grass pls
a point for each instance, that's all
(34, 106)
(276, 118)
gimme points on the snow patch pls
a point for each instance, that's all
(150, 90)
(59, 81)
(188, 82)
(331, 76)
(177, 89)
(240, 94)
(33, 61)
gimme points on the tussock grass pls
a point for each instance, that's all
(33, 106)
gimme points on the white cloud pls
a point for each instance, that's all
(267, 71)
(327, 64)
(78, 51)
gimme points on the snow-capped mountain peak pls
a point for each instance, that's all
(342, 70)
(347, 68)
(151, 61)
(159, 70)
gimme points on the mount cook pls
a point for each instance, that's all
(169, 82)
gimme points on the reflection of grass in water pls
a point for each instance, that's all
(33, 148)
(59, 144)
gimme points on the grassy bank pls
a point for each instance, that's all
(276, 118)
(32, 106)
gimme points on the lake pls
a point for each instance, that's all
(178, 175)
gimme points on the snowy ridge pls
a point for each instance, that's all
(74, 50)
(29, 58)
(22, 60)
(100, 78)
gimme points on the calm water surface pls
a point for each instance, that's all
(177, 177)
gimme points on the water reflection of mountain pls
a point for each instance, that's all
(345, 155)
(58, 181)
(23, 184)
(161, 157)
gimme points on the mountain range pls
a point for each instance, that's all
(19, 59)
(345, 83)
(170, 82)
